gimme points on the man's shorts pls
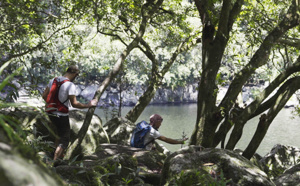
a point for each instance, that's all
(62, 124)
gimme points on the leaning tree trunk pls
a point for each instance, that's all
(157, 76)
(144, 100)
(74, 148)
(258, 106)
(290, 87)
(251, 110)
(256, 61)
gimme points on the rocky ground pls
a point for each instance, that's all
(116, 163)
(106, 158)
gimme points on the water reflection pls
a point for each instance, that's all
(179, 119)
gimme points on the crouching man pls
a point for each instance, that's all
(144, 135)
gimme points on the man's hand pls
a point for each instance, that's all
(93, 103)
(184, 139)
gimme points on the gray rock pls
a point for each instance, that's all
(78, 90)
(92, 138)
(194, 164)
(89, 92)
(119, 130)
(290, 177)
(115, 165)
(279, 159)
(16, 170)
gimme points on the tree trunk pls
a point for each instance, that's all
(256, 107)
(209, 116)
(144, 100)
(157, 77)
(248, 112)
(213, 46)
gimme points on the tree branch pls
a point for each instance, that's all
(246, 114)
(293, 42)
(295, 67)
(290, 87)
(261, 56)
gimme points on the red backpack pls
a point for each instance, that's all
(53, 103)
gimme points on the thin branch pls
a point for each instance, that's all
(260, 57)
(290, 87)
(293, 42)
(295, 67)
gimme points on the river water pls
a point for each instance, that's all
(179, 119)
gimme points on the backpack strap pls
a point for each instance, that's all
(151, 141)
(62, 82)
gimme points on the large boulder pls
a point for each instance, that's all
(95, 134)
(280, 158)
(289, 177)
(114, 164)
(15, 170)
(255, 159)
(118, 131)
(45, 131)
(194, 165)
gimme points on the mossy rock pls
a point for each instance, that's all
(79, 175)
(233, 166)
(16, 170)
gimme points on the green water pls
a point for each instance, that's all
(179, 119)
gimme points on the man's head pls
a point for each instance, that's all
(155, 121)
(73, 71)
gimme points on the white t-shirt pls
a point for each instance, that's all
(153, 134)
(66, 89)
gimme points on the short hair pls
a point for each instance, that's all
(73, 69)
(155, 117)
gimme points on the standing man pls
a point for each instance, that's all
(59, 113)
(153, 134)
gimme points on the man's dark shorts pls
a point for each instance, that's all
(62, 124)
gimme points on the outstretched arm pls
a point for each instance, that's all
(172, 141)
(77, 104)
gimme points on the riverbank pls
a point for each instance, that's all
(180, 118)
(130, 96)
(117, 163)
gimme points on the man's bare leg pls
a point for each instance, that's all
(58, 152)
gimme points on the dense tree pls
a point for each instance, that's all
(171, 20)
(240, 40)
(218, 19)
(29, 33)
(156, 78)
(27, 26)
(147, 11)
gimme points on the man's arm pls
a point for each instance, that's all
(172, 141)
(77, 104)
(45, 93)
